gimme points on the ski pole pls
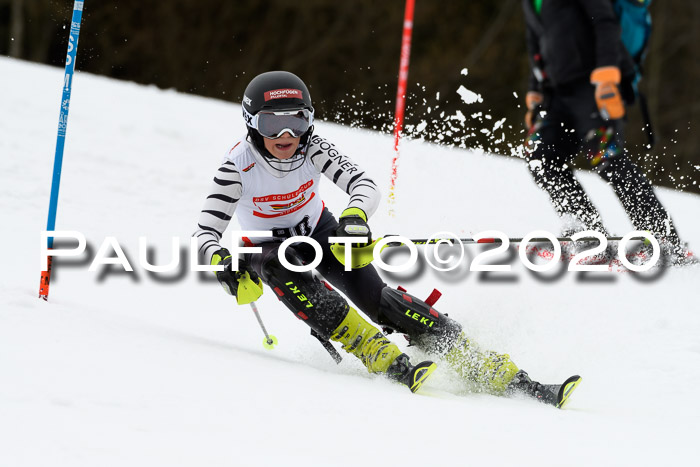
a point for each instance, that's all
(328, 346)
(61, 138)
(270, 341)
(363, 255)
(432, 241)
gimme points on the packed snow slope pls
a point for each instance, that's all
(144, 369)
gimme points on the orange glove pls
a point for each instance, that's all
(533, 99)
(607, 94)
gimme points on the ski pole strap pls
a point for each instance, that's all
(328, 346)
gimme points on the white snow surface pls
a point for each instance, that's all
(128, 369)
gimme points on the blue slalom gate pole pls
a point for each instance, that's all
(61, 137)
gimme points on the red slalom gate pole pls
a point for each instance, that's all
(401, 96)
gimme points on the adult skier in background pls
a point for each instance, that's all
(270, 181)
(581, 81)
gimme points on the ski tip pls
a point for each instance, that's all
(566, 390)
(422, 372)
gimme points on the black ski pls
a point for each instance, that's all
(559, 393)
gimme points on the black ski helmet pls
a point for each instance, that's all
(277, 91)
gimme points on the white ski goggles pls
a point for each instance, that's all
(273, 125)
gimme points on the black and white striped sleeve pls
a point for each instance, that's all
(218, 209)
(346, 174)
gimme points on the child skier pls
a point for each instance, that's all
(270, 179)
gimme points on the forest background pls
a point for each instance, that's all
(348, 54)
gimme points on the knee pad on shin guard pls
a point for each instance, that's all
(311, 300)
(429, 329)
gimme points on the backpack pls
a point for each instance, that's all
(635, 24)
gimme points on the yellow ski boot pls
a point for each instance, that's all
(378, 353)
(490, 370)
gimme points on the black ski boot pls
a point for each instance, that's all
(412, 376)
(552, 394)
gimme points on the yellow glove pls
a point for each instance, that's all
(244, 284)
(353, 223)
(360, 256)
(607, 95)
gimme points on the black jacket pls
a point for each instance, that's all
(573, 37)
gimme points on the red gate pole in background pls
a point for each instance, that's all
(401, 96)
